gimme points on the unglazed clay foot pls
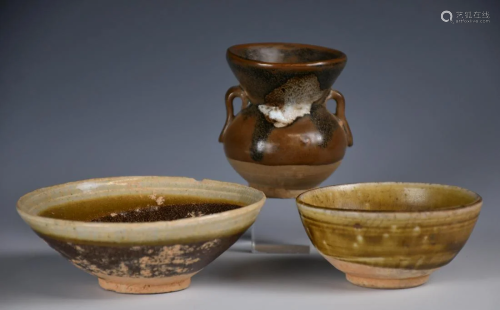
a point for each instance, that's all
(144, 288)
(383, 278)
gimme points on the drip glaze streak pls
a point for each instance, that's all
(323, 122)
(261, 132)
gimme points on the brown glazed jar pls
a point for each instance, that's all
(284, 140)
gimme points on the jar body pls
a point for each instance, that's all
(285, 141)
(286, 161)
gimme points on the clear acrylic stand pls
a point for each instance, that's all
(278, 229)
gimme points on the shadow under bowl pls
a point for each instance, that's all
(389, 235)
(142, 257)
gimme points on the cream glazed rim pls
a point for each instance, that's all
(211, 225)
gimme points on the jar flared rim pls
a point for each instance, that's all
(234, 54)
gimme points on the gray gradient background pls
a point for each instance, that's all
(108, 88)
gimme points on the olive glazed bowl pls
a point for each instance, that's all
(389, 235)
(142, 258)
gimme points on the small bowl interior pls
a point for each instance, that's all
(389, 197)
(285, 53)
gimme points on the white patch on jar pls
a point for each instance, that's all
(285, 115)
(359, 238)
(291, 100)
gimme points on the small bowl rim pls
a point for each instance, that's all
(478, 199)
(235, 57)
(146, 225)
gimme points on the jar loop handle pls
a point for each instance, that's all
(340, 113)
(233, 92)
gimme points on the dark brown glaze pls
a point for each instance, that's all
(137, 208)
(263, 67)
(268, 74)
(261, 132)
(284, 123)
(314, 139)
(142, 261)
(165, 213)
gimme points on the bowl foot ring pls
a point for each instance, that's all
(386, 283)
(138, 288)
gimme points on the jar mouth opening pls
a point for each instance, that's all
(286, 54)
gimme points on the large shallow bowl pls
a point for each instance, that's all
(389, 235)
(152, 257)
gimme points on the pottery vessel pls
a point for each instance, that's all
(284, 140)
(152, 257)
(389, 235)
